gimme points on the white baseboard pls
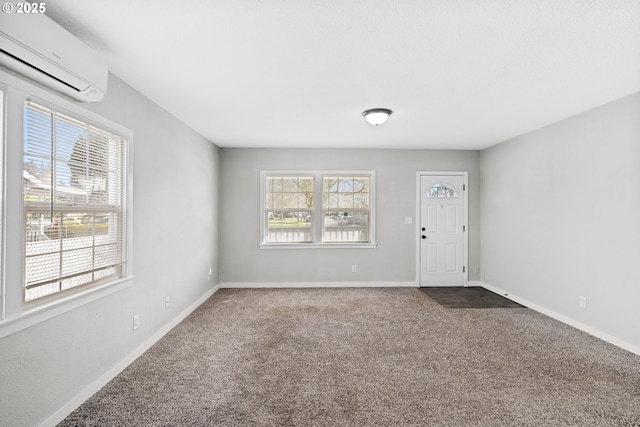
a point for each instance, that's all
(95, 386)
(564, 319)
(318, 285)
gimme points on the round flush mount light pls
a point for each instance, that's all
(377, 116)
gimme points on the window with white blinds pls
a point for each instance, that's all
(2, 148)
(74, 203)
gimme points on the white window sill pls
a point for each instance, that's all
(50, 310)
(318, 245)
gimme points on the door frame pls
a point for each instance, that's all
(465, 220)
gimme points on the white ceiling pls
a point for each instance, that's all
(458, 74)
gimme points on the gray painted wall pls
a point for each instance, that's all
(176, 200)
(560, 217)
(394, 260)
(559, 220)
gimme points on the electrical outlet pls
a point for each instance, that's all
(408, 220)
(354, 268)
(136, 322)
(582, 301)
(167, 302)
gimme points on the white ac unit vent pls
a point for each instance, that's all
(35, 46)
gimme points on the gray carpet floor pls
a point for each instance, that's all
(368, 357)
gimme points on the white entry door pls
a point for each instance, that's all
(442, 230)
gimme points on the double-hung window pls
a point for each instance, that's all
(289, 208)
(2, 208)
(74, 202)
(66, 213)
(317, 209)
(346, 208)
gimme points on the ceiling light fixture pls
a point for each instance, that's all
(377, 116)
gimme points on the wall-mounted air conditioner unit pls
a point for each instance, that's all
(35, 46)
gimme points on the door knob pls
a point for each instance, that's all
(424, 229)
(424, 237)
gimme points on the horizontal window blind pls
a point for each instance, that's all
(2, 200)
(74, 202)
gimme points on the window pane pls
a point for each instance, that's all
(288, 227)
(73, 202)
(290, 185)
(361, 185)
(346, 205)
(330, 184)
(341, 227)
(2, 148)
(361, 200)
(289, 209)
(441, 191)
(330, 200)
(345, 200)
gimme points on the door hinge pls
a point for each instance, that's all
(464, 187)
(464, 269)
(464, 228)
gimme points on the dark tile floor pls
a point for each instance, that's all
(472, 297)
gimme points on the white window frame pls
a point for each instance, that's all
(15, 314)
(3, 139)
(317, 226)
